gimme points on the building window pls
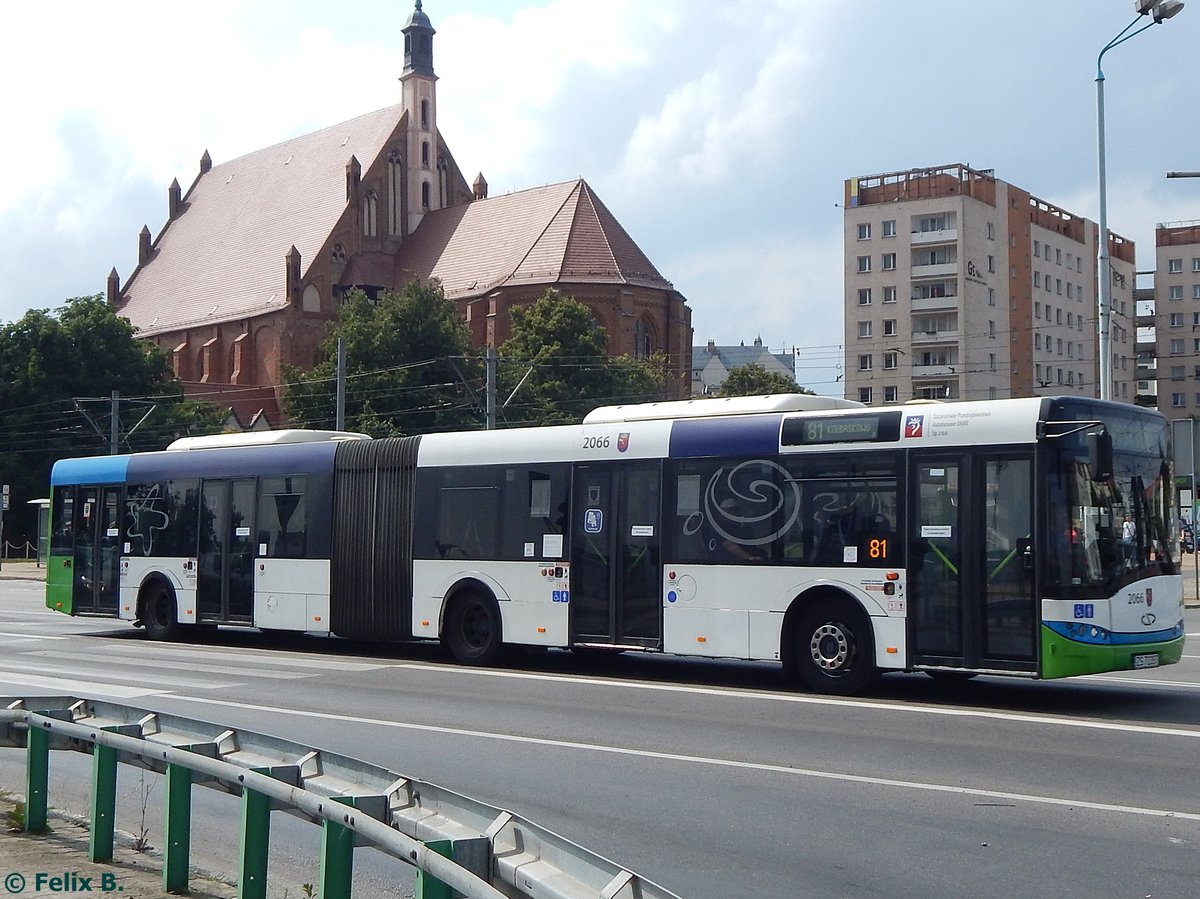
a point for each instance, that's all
(370, 215)
(1037, 341)
(1176, 319)
(864, 296)
(1175, 292)
(1176, 400)
(864, 263)
(864, 362)
(991, 296)
(864, 231)
(992, 264)
(1196, 291)
(889, 262)
(1174, 266)
(1178, 372)
(991, 361)
(991, 231)
(889, 294)
(864, 329)
(1046, 282)
(424, 113)
(890, 361)
(1037, 249)
(891, 394)
(1037, 279)
(889, 327)
(425, 194)
(1070, 291)
(889, 229)
(991, 329)
(864, 395)
(1058, 256)
(1176, 345)
(1058, 286)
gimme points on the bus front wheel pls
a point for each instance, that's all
(158, 612)
(834, 649)
(473, 633)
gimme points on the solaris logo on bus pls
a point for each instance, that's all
(740, 501)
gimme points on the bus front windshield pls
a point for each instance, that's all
(1108, 529)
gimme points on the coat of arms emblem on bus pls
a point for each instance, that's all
(914, 426)
(622, 441)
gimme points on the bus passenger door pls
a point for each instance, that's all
(97, 554)
(971, 582)
(225, 581)
(616, 554)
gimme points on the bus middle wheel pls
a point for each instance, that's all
(158, 612)
(473, 633)
(834, 648)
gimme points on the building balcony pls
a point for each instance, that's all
(941, 270)
(932, 371)
(946, 235)
(922, 337)
(925, 304)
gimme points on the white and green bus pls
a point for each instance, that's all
(1026, 537)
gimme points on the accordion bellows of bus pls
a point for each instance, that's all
(1025, 537)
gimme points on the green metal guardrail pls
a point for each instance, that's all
(460, 847)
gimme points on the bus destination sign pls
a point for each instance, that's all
(874, 428)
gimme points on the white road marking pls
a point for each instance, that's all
(73, 687)
(167, 664)
(720, 762)
(804, 699)
(31, 636)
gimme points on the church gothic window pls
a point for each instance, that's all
(425, 153)
(643, 339)
(371, 215)
(425, 194)
(395, 188)
(424, 113)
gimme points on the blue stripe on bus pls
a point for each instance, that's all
(751, 435)
(229, 462)
(92, 470)
(1090, 633)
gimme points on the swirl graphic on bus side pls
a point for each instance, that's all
(730, 505)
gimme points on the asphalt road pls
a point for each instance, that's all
(708, 777)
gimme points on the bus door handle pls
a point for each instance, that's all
(1025, 547)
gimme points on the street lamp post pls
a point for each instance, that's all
(1158, 11)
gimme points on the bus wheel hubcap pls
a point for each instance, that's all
(830, 648)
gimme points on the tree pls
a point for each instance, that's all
(56, 370)
(754, 380)
(563, 348)
(401, 373)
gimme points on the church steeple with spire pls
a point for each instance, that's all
(426, 187)
(418, 44)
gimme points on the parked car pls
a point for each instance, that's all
(1187, 538)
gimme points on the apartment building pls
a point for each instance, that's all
(959, 285)
(1177, 318)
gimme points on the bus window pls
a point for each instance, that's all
(534, 508)
(468, 505)
(283, 518)
(63, 517)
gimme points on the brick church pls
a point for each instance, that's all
(257, 255)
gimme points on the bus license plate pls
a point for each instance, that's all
(1146, 660)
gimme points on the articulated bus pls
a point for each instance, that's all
(1025, 537)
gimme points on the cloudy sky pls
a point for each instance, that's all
(719, 133)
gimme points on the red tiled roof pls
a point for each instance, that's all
(560, 233)
(222, 258)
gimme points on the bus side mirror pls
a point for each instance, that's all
(1100, 455)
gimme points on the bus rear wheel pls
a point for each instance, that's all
(834, 648)
(158, 612)
(473, 633)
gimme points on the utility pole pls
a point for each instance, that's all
(340, 414)
(490, 389)
(115, 425)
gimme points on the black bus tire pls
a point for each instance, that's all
(159, 615)
(834, 648)
(473, 630)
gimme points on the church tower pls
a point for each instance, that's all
(425, 178)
